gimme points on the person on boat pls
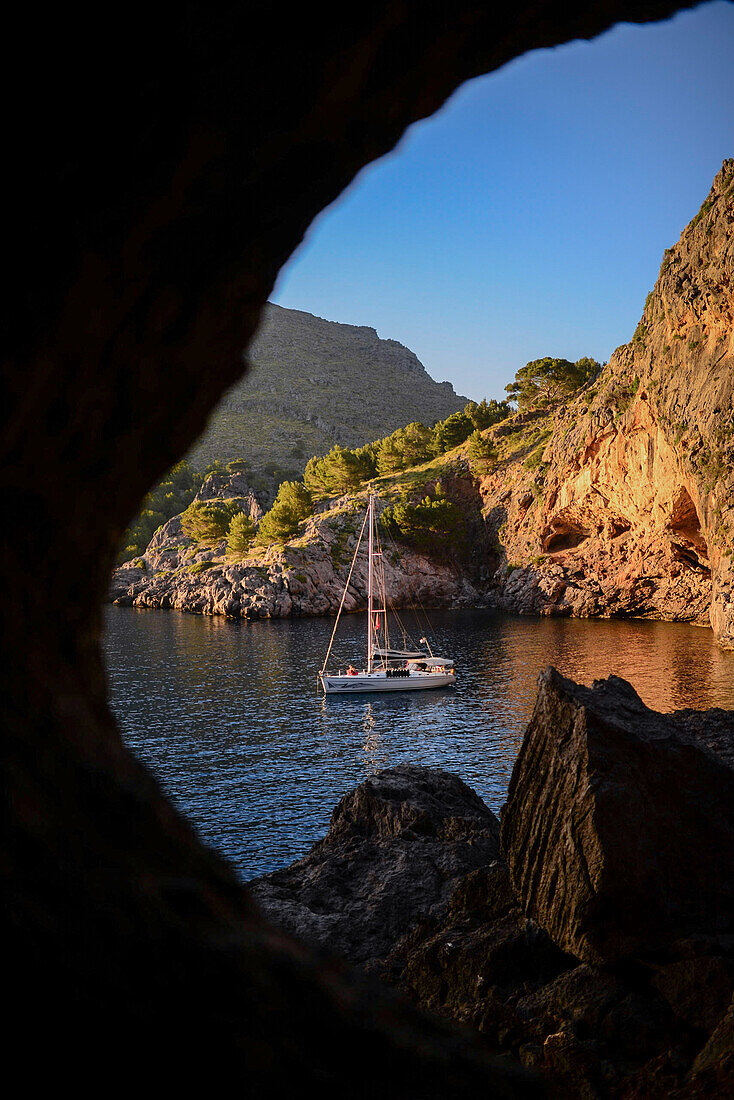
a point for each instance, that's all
(351, 671)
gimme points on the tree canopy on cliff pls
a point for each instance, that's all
(292, 505)
(208, 521)
(409, 446)
(343, 470)
(452, 431)
(340, 471)
(484, 414)
(543, 382)
(481, 452)
(240, 534)
(435, 523)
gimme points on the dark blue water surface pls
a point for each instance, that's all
(227, 715)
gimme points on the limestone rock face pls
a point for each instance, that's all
(396, 849)
(305, 577)
(225, 486)
(619, 826)
(630, 511)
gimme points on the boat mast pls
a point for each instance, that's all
(370, 544)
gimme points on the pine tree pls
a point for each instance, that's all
(240, 534)
(544, 382)
(481, 452)
(451, 432)
(291, 506)
(207, 521)
(339, 471)
(487, 413)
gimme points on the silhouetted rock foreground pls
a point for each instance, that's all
(619, 829)
(596, 943)
(149, 222)
(397, 848)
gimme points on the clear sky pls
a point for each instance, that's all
(529, 216)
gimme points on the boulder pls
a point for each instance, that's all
(221, 486)
(396, 850)
(715, 1063)
(619, 824)
(698, 989)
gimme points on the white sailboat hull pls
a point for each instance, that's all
(421, 672)
(379, 681)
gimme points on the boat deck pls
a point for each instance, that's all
(386, 680)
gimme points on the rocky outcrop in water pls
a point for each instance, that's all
(619, 826)
(597, 943)
(305, 577)
(396, 850)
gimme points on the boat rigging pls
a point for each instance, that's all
(420, 671)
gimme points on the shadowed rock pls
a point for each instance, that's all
(714, 1066)
(159, 182)
(409, 885)
(396, 849)
(619, 827)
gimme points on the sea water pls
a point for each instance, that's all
(229, 718)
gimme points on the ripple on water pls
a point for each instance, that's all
(227, 715)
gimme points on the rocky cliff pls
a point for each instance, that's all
(307, 576)
(618, 504)
(593, 939)
(624, 506)
(313, 383)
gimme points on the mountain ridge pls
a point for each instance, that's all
(617, 503)
(312, 383)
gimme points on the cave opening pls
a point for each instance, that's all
(564, 534)
(688, 542)
(153, 215)
(566, 539)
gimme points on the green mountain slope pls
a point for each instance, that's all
(313, 383)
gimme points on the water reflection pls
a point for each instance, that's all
(228, 716)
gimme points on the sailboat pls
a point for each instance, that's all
(419, 671)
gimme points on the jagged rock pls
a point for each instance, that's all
(619, 828)
(698, 989)
(305, 577)
(396, 848)
(470, 968)
(714, 1065)
(410, 885)
(219, 486)
(631, 511)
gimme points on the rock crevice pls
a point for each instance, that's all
(595, 942)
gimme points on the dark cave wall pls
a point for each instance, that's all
(161, 172)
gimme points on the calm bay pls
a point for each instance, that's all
(227, 715)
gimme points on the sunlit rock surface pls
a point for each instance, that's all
(305, 577)
(630, 511)
(619, 826)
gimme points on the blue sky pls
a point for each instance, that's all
(529, 216)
